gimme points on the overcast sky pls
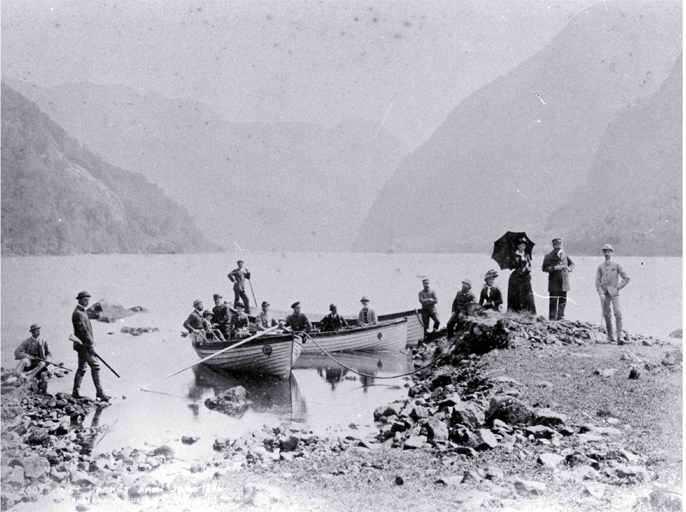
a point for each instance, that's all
(405, 64)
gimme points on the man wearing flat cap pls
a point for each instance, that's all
(463, 306)
(558, 266)
(32, 354)
(297, 321)
(428, 300)
(238, 276)
(333, 321)
(264, 319)
(608, 285)
(367, 316)
(86, 349)
(221, 314)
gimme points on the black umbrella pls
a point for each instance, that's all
(505, 247)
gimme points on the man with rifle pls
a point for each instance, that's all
(33, 354)
(86, 348)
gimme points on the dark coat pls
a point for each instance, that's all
(558, 280)
(83, 329)
(195, 321)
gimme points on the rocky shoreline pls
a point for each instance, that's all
(473, 426)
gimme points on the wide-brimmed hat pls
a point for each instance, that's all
(240, 261)
(467, 281)
(364, 299)
(82, 295)
(333, 306)
(207, 312)
(522, 241)
(238, 305)
(34, 327)
(491, 273)
(295, 304)
(608, 247)
(196, 302)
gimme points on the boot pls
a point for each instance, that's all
(78, 377)
(100, 394)
(43, 386)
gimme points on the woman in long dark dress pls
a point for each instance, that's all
(520, 296)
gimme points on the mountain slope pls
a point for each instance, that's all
(515, 150)
(275, 186)
(59, 198)
(633, 195)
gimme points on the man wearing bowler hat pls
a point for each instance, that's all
(195, 321)
(367, 316)
(32, 354)
(238, 276)
(558, 265)
(333, 321)
(86, 349)
(608, 285)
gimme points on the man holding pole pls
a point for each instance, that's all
(33, 354)
(85, 348)
(238, 276)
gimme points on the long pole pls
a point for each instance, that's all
(76, 340)
(261, 333)
(253, 293)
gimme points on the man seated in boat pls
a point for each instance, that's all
(33, 354)
(297, 321)
(221, 315)
(264, 319)
(195, 321)
(212, 332)
(367, 315)
(333, 321)
(239, 323)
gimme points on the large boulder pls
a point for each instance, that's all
(234, 401)
(468, 414)
(510, 410)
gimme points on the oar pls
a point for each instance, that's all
(76, 340)
(253, 293)
(261, 333)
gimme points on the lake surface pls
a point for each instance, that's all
(322, 394)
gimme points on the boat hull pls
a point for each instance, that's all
(415, 328)
(266, 355)
(386, 336)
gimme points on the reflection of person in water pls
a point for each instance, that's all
(332, 375)
(91, 434)
(367, 381)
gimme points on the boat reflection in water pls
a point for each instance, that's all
(265, 393)
(370, 365)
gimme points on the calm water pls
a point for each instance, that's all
(322, 394)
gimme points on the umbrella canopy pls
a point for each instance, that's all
(505, 247)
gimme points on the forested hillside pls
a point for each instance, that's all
(59, 198)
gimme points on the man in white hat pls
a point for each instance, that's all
(558, 266)
(32, 354)
(367, 316)
(608, 285)
(428, 300)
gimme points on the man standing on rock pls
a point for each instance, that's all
(463, 306)
(86, 349)
(607, 284)
(238, 276)
(558, 265)
(428, 300)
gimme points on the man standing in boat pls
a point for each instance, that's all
(264, 319)
(86, 349)
(333, 321)
(428, 300)
(238, 277)
(367, 315)
(298, 322)
(195, 321)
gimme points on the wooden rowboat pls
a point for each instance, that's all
(391, 336)
(415, 328)
(267, 355)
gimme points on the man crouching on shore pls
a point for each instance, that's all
(33, 354)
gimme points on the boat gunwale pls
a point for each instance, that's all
(357, 329)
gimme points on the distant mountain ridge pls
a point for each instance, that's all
(269, 186)
(59, 198)
(515, 150)
(633, 195)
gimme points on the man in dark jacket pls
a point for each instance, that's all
(558, 265)
(86, 349)
(195, 321)
(238, 276)
(333, 321)
(463, 306)
(221, 314)
(33, 354)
